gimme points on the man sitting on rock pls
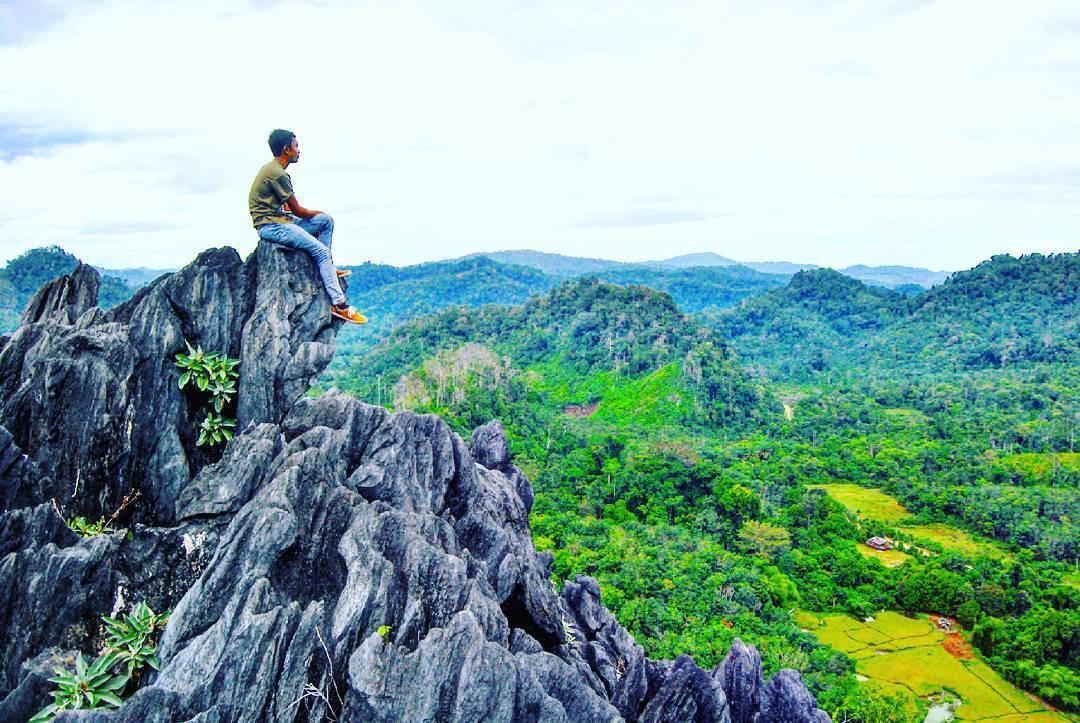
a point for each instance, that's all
(279, 218)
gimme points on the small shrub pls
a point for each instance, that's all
(212, 372)
(88, 687)
(85, 528)
(215, 429)
(130, 646)
(384, 630)
(131, 638)
(215, 374)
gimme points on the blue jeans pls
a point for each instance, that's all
(315, 236)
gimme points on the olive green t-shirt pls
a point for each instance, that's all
(272, 187)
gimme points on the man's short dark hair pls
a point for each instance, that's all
(279, 139)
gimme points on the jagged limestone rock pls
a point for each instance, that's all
(739, 674)
(335, 561)
(785, 699)
(64, 299)
(104, 383)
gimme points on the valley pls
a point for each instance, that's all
(715, 471)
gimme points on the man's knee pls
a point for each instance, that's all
(324, 219)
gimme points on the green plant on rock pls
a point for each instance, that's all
(210, 371)
(84, 528)
(217, 375)
(215, 429)
(130, 646)
(131, 637)
(88, 687)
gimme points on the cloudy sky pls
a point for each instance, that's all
(922, 133)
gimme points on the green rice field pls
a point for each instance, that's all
(896, 653)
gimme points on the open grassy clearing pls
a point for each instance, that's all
(889, 558)
(898, 653)
(913, 416)
(957, 540)
(873, 504)
(1041, 466)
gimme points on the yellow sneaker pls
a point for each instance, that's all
(348, 313)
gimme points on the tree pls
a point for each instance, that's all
(763, 539)
(968, 614)
(739, 503)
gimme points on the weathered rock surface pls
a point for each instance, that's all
(336, 562)
(66, 298)
(740, 677)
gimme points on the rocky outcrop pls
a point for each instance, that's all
(786, 698)
(91, 396)
(740, 677)
(335, 561)
(65, 298)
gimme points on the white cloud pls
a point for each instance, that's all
(931, 134)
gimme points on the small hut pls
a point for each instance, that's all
(879, 543)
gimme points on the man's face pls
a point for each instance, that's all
(293, 149)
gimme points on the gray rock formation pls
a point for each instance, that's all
(65, 298)
(785, 698)
(335, 561)
(740, 677)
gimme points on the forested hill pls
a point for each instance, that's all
(1006, 311)
(1003, 312)
(391, 295)
(819, 320)
(574, 342)
(700, 288)
(24, 275)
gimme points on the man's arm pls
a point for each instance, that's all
(294, 206)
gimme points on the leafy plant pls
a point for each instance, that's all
(131, 638)
(215, 429)
(88, 687)
(384, 630)
(211, 372)
(85, 528)
(216, 374)
(130, 646)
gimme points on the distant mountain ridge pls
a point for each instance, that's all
(572, 266)
(134, 277)
(549, 263)
(688, 260)
(894, 276)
